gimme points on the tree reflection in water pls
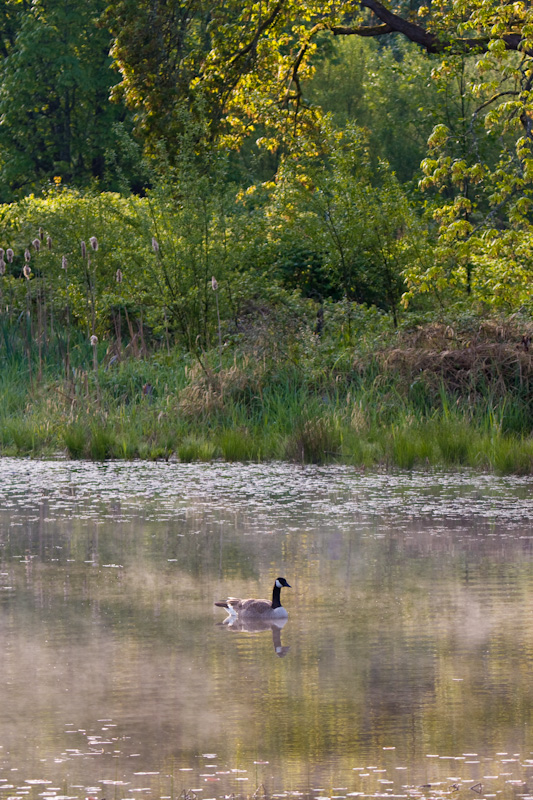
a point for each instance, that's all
(410, 631)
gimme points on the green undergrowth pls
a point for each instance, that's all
(168, 407)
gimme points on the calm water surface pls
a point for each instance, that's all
(405, 668)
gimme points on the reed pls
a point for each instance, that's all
(410, 446)
(76, 439)
(453, 442)
(17, 437)
(308, 405)
(316, 439)
(510, 455)
(102, 442)
(289, 422)
(238, 444)
(194, 448)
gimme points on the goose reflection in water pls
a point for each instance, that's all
(239, 625)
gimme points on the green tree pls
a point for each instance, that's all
(11, 12)
(348, 222)
(249, 61)
(159, 49)
(388, 91)
(55, 114)
(246, 66)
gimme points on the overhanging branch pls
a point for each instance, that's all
(429, 41)
(265, 24)
(361, 30)
(415, 33)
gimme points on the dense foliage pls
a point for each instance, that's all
(56, 119)
(250, 180)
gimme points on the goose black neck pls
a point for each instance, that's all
(276, 602)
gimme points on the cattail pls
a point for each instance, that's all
(93, 241)
(2, 266)
(37, 244)
(214, 286)
(64, 262)
(94, 340)
(49, 242)
(119, 276)
(27, 255)
(9, 255)
(83, 249)
(26, 271)
(41, 234)
(155, 245)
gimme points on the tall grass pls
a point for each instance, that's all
(165, 406)
(292, 425)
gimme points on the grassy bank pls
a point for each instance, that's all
(427, 395)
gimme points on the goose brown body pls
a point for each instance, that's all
(252, 607)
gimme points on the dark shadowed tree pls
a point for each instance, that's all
(56, 119)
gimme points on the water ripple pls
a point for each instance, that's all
(276, 490)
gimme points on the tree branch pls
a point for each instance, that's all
(415, 33)
(261, 29)
(363, 30)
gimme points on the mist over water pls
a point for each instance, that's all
(404, 670)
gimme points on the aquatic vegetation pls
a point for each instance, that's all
(400, 401)
(102, 442)
(314, 440)
(410, 447)
(238, 444)
(193, 448)
(76, 438)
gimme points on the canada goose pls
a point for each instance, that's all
(257, 608)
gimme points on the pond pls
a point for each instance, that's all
(405, 668)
